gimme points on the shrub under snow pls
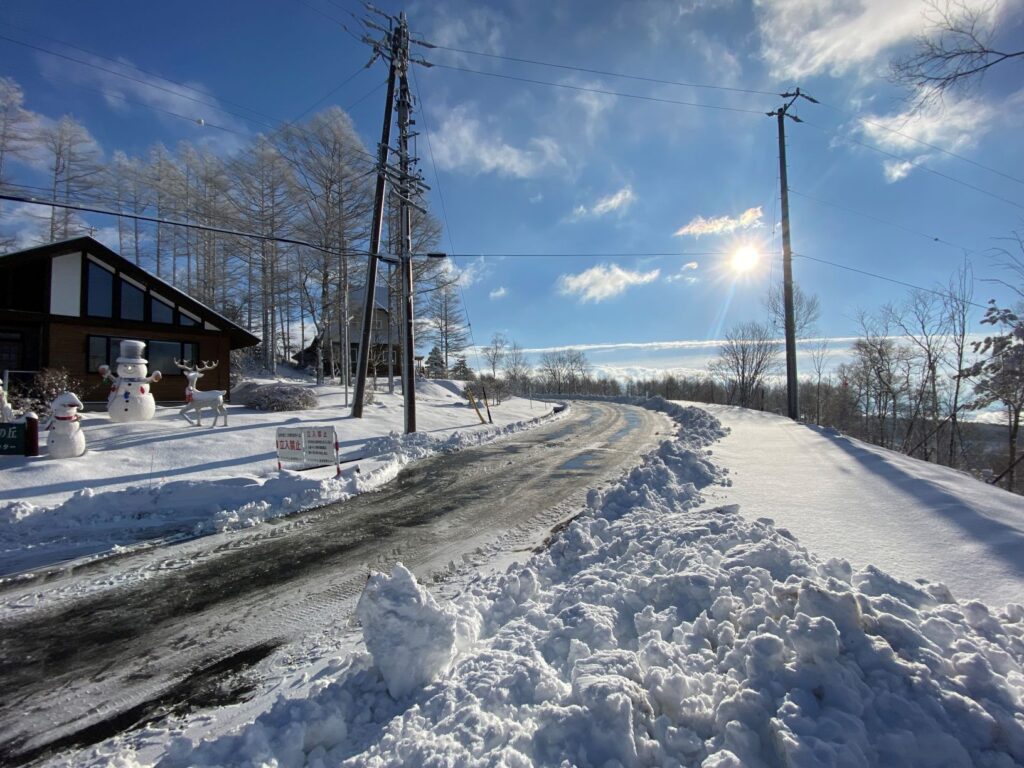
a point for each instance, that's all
(277, 396)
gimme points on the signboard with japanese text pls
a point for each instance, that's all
(12, 439)
(307, 447)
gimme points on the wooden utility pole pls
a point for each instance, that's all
(405, 226)
(363, 360)
(394, 46)
(792, 391)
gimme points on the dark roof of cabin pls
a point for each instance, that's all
(239, 336)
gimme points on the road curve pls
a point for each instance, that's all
(175, 636)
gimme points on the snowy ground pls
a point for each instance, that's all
(659, 628)
(842, 497)
(162, 480)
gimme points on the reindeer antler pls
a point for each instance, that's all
(206, 366)
(186, 366)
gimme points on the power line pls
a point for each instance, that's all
(147, 83)
(187, 225)
(599, 90)
(922, 142)
(872, 217)
(356, 252)
(137, 68)
(598, 71)
(866, 273)
(915, 164)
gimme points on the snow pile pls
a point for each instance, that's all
(654, 631)
(411, 639)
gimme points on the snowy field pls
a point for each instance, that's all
(163, 480)
(845, 498)
(660, 628)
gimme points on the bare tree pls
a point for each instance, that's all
(956, 50)
(445, 322)
(747, 357)
(806, 310)
(74, 164)
(494, 353)
(958, 301)
(15, 125)
(516, 367)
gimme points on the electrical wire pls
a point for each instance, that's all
(356, 252)
(607, 73)
(137, 68)
(914, 164)
(603, 91)
(866, 273)
(922, 142)
(880, 220)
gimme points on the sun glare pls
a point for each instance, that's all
(745, 259)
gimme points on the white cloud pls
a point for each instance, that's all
(683, 274)
(463, 143)
(954, 125)
(801, 38)
(603, 282)
(537, 198)
(615, 202)
(498, 293)
(720, 225)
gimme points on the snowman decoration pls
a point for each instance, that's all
(65, 439)
(130, 398)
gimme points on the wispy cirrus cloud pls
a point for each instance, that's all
(603, 282)
(616, 202)
(462, 143)
(722, 225)
(802, 38)
(498, 293)
(951, 124)
(190, 106)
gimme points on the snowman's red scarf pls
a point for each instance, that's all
(76, 417)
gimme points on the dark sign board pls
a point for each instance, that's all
(12, 439)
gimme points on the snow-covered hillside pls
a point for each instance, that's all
(844, 498)
(658, 629)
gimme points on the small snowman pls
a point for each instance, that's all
(130, 398)
(65, 439)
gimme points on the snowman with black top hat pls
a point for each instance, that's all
(130, 398)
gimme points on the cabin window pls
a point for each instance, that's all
(100, 287)
(133, 302)
(161, 356)
(160, 311)
(186, 319)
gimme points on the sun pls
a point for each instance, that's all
(744, 259)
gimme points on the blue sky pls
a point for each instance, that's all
(538, 169)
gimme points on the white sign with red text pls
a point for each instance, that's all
(308, 447)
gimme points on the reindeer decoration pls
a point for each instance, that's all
(196, 400)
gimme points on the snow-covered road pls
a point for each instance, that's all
(844, 498)
(158, 631)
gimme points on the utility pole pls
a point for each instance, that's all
(792, 393)
(405, 225)
(395, 48)
(362, 362)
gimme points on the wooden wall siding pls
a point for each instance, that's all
(69, 345)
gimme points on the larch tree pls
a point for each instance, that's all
(444, 322)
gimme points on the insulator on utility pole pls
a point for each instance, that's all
(792, 391)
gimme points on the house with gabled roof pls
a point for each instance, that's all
(69, 304)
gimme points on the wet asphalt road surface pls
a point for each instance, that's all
(182, 637)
